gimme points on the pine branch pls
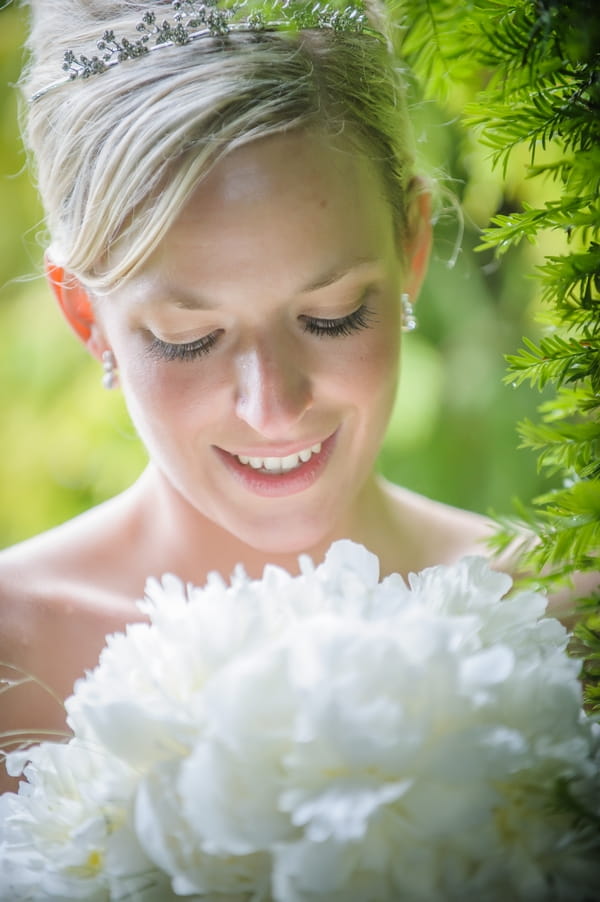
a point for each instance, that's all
(555, 359)
(587, 634)
(533, 69)
(568, 215)
(566, 447)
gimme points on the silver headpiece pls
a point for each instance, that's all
(191, 21)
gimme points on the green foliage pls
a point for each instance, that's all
(533, 73)
(554, 359)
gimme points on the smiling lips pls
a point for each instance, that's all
(275, 465)
(274, 476)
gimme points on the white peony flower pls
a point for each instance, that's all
(319, 737)
(68, 834)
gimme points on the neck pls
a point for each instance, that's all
(191, 545)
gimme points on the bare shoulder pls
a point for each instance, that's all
(439, 533)
(56, 587)
(436, 533)
(56, 609)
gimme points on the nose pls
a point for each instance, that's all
(273, 389)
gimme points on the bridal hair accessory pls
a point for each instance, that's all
(192, 21)
(109, 365)
(409, 320)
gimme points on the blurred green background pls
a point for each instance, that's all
(67, 444)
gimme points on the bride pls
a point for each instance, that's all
(238, 236)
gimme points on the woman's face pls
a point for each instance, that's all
(258, 348)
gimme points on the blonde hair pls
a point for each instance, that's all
(118, 154)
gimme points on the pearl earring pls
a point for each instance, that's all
(409, 320)
(109, 365)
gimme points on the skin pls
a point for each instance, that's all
(284, 232)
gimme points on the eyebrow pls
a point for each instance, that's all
(337, 274)
(329, 277)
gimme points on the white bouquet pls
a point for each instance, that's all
(319, 737)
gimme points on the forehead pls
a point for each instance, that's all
(303, 165)
(287, 207)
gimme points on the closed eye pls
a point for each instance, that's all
(163, 350)
(361, 318)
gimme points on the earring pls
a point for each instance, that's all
(109, 365)
(409, 320)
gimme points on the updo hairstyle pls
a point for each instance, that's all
(118, 154)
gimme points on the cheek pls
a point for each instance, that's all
(176, 393)
(380, 363)
(374, 369)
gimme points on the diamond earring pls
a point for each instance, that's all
(109, 365)
(409, 320)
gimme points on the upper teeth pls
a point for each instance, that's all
(280, 464)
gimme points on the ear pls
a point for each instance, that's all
(416, 241)
(76, 305)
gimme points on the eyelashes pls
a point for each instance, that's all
(163, 350)
(361, 318)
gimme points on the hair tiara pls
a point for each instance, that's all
(192, 21)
